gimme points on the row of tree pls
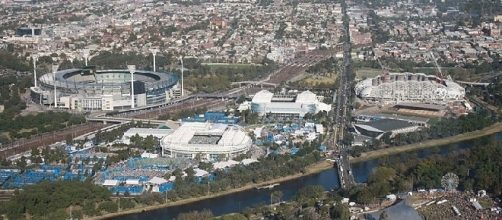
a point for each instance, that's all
(446, 127)
(274, 166)
(310, 202)
(51, 200)
(26, 126)
(478, 168)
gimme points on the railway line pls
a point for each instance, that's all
(45, 139)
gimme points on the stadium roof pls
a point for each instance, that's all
(263, 96)
(230, 135)
(306, 97)
(395, 116)
(421, 106)
(385, 125)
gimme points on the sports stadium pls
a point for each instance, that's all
(207, 140)
(90, 89)
(409, 87)
(295, 105)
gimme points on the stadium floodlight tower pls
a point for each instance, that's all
(182, 92)
(154, 53)
(86, 52)
(55, 68)
(132, 69)
(35, 59)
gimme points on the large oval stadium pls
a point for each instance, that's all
(207, 140)
(409, 87)
(91, 89)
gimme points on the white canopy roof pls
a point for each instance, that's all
(157, 180)
(111, 183)
(132, 182)
(225, 164)
(248, 161)
(199, 172)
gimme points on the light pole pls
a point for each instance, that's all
(182, 92)
(154, 53)
(55, 68)
(86, 53)
(35, 59)
(132, 69)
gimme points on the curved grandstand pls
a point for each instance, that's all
(409, 87)
(207, 140)
(91, 89)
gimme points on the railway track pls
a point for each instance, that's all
(45, 139)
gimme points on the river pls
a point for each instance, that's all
(237, 202)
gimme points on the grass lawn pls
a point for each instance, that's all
(364, 73)
(313, 80)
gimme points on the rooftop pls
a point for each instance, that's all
(385, 125)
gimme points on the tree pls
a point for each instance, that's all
(57, 196)
(35, 155)
(309, 194)
(150, 142)
(196, 215)
(222, 157)
(108, 206)
(21, 163)
(276, 196)
(340, 211)
(362, 195)
(207, 166)
(69, 139)
(383, 215)
(381, 180)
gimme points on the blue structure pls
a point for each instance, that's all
(132, 190)
(322, 148)
(294, 150)
(213, 117)
(166, 187)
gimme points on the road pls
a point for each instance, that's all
(341, 118)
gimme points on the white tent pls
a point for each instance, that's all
(132, 182)
(199, 172)
(111, 183)
(157, 180)
(224, 164)
(248, 161)
(149, 155)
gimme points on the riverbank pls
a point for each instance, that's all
(317, 168)
(312, 169)
(495, 128)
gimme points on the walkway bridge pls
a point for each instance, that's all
(473, 83)
(255, 83)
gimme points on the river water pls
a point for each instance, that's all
(237, 202)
